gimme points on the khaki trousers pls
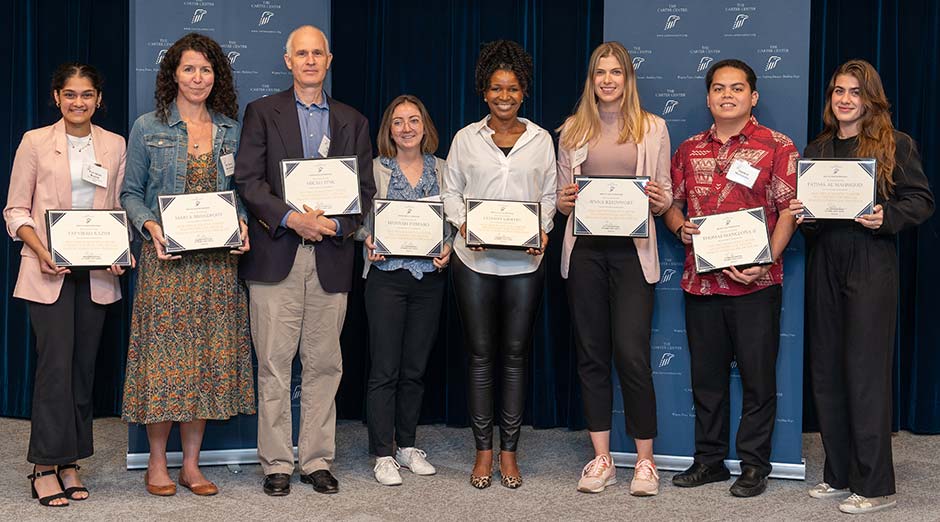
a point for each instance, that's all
(293, 314)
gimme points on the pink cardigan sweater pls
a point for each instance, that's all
(653, 161)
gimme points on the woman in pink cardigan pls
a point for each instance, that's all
(611, 279)
(66, 308)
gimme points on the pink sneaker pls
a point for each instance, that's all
(597, 475)
(645, 481)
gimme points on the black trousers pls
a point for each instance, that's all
(851, 297)
(745, 329)
(404, 314)
(612, 307)
(497, 313)
(68, 332)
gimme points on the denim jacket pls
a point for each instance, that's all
(156, 163)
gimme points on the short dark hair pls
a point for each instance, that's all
(503, 55)
(736, 64)
(68, 70)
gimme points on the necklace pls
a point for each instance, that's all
(77, 143)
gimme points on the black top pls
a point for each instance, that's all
(506, 150)
(911, 202)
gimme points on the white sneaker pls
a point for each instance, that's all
(597, 475)
(414, 460)
(386, 471)
(857, 504)
(824, 490)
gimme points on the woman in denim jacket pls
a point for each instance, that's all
(189, 353)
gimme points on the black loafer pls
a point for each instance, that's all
(699, 474)
(322, 481)
(276, 484)
(751, 483)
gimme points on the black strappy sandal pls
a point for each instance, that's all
(45, 501)
(74, 489)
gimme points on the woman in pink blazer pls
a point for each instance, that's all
(66, 308)
(611, 279)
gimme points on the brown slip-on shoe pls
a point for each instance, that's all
(203, 490)
(160, 491)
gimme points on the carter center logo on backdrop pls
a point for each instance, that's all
(671, 22)
(232, 56)
(666, 359)
(637, 62)
(265, 18)
(198, 14)
(670, 106)
(704, 62)
(160, 56)
(669, 272)
(739, 21)
(772, 62)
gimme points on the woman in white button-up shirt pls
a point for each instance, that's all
(501, 157)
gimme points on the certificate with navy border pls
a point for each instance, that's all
(836, 188)
(504, 224)
(738, 239)
(200, 221)
(327, 184)
(88, 238)
(408, 228)
(611, 206)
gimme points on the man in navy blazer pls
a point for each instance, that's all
(299, 269)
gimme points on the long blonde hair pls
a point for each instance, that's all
(876, 133)
(585, 124)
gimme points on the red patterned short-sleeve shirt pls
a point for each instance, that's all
(699, 170)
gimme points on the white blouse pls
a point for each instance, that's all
(476, 168)
(81, 153)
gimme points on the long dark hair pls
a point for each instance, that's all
(222, 99)
(876, 133)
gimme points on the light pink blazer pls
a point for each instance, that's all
(41, 180)
(652, 159)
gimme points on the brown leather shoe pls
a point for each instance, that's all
(203, 490)
(160, 491)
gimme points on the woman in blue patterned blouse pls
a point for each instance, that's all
(403, 294)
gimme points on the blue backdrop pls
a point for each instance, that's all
(253, 34)
(673, 44)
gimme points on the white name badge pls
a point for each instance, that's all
(742, 173)
(579, 156)
(228, 164)
(95, 174)
(324, 148)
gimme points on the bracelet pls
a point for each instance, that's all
(678, 232)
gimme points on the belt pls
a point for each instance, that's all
(307, 243)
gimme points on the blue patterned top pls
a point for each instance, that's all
(399, 188)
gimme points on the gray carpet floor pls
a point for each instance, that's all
(550, 460)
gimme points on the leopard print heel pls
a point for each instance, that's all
(481, 482)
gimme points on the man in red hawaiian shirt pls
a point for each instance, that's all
(733, 314)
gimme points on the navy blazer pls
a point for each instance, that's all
(271, 133)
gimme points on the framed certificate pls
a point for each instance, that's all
(737, 239)
(408, 228)
(836, 189)
(88, 238)
(503, 224)
(611, 206)
(200, 221)
(327, 184)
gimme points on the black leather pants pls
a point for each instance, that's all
(497, 313)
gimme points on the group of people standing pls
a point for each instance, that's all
(189, 354)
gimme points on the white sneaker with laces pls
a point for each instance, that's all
(386, 471)
(597, 475)
(857, 504)
(645, 481)
(824, 490)
(414, 460)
